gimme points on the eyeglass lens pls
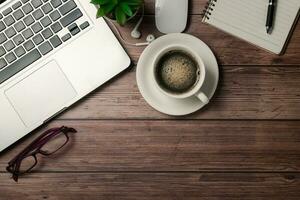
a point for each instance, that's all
(55, 143)
(27, 163)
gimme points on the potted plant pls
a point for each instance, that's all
(119, 10)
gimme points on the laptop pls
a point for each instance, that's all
(52, 53)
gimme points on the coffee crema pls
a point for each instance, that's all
(177, 72)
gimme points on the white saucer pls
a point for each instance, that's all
(159, 100)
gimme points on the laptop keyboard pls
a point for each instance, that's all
(30, 29)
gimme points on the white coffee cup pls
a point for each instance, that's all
(194, 90)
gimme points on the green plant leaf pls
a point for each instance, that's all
(95, 2)
(126, 9)
(133, 2)
(120, 10)
(100, 12)
(108, 8)
(120, 16)
(115, 2)
(100, 2)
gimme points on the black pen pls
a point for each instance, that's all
(270, 16)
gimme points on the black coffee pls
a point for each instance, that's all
(177, 72)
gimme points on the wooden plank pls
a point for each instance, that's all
(174, 145)
(228, 49)
(142, 186)
(243, 93)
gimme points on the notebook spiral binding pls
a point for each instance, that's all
(209, 8)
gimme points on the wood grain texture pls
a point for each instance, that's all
(244, 145)
(142, 186)
(175, 146)
(228, 49)
(243, 93)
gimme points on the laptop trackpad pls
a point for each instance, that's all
(41, 94)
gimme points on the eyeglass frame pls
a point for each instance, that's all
(34, 148)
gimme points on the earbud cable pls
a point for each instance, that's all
(117, 30)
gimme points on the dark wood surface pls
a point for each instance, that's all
(244, 145)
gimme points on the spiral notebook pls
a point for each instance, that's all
(246, 19)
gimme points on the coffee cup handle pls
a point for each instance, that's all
(202, 97)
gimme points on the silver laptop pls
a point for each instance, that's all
(52, 53)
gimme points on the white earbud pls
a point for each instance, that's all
(135, 33)
(150, 38)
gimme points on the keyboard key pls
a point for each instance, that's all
(67, 7)
(3, 38)
(2, 51)
(18, 39)
(28, 20)
(56, 27)
(19, 26)
(71, 17)
(56, 3)
(66, 37)
(20, 51)
(7, 11)
(36, 27)
(28, 45)
(27, 33)
(19, 65)
(24, 1)
(10, 57)
(36, 3)
(46, 21)
(18, 14)
(16, 5)
(10, 32)
(55, 15)
(2, 26)
(27, 8)
(74, 29)
(45, 48)
(84, 25)
(47, 8)
(38, 39)
(9, 45)
(55, 41)
(9, 20)
(38, 14)
(47, 33)
(3, 63)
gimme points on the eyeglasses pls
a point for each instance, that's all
(46, 144)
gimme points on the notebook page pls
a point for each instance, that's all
(247, 19)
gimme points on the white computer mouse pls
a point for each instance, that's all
(171, 15)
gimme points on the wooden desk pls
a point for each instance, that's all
(244, 145)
